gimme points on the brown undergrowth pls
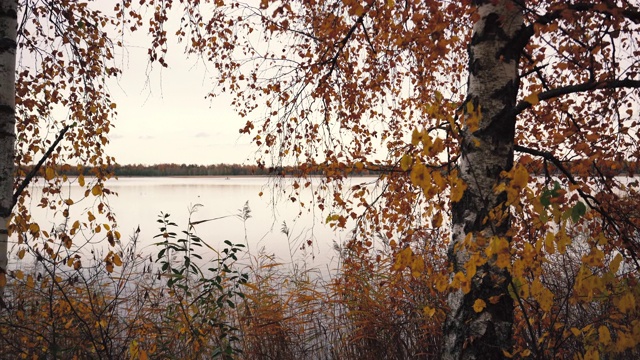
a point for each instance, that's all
(235, 305)
(375, 303)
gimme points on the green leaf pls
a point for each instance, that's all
(578, 211)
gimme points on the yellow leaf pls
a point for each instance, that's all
(19, 274)
(49, 173)
(30, 282)
(81, 180)
(525, 353)
(420, 176)
(405, 162)
(592, 354)
(615, 263)
(403, 259)
(21, 253)
(416, 137)
(438, 179)
(96, 190)
(562, 239)
(34, 228)
(442, 282)
(417, 267)
(133, 348)
(479, 305)
(68, 202)
(549, 244)
(3, 279)
(532, 99)
(520, 177)
(545, 299)
(428, 311)
(457, 188)
(90, 216)
(113, 105)
(576, 332)
(469, 107)
(604, 335)
(626, 303)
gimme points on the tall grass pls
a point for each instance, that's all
(234, 305)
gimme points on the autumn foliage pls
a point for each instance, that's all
(541, 224)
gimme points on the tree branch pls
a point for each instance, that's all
(627, 12)
(573, 89)
(344, 41)
(25, 182)
(591, 201)
(632, 14)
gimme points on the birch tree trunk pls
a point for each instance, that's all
(486, 151)
(8, 29)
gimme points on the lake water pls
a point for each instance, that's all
(141, 199)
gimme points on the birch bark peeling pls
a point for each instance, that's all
(486, 150)
(8, 28)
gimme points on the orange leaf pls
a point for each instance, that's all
(532, 99)
(479, 305)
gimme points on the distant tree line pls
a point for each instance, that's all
(218, 170)
(535, 167)
(188, 170)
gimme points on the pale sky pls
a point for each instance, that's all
(165, 118)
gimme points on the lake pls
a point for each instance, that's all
(141, 199)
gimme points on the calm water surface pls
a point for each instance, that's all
(141, 199)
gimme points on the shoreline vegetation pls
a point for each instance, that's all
(538, 168)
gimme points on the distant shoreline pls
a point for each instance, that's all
(535, 167)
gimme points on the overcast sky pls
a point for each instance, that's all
(165, 118)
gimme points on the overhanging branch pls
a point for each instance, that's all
(25, 182)
(591, 201)
(574, 89)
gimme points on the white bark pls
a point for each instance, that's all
(8, 28)
(486, 151)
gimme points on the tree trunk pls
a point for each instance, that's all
(486, 151)
(8, 29)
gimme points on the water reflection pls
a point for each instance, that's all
(140, 201)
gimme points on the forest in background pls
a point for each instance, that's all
(534, 166)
